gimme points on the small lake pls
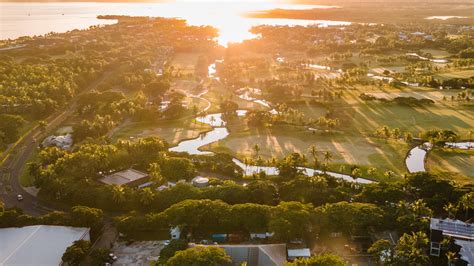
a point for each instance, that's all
(416, 157)
(220, 132)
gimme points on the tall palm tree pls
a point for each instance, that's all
(256, 148)
(451, 209)
(371, 170)
(451, 258)
(356, 173)
(467, 202)
(327, 156)
(313, 150)
(118, 194)
(146, 196)
(389, 174)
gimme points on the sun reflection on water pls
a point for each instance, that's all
(228, 16)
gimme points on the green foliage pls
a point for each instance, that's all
(76, 253)
(382, 252)
(327, 259)
(229, 108)
(292, 220)
(170, 250)
(411, 249)
(100, 256)
(86, 217)
(9, 128)
(200, 256)
(350, 218)
(174, 169)
(98, 127)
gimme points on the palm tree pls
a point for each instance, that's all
(389, 174)
(371, 170)
(342, 169)
(246, 162)
(327, 156)
(356, 172)
(467, 202)
(256, 148)
(146, 196)
(118, 194)
(451, 258)
(314, 153)
(213, 119)
(451, 209)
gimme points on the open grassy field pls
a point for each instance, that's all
(367, 118)
(26, 180)
(453, 164)
(173, 131)
(185, 62)
(437, 53)
(364, 118)
(279, 141)
(460, 74)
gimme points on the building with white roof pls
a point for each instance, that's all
(38, 244)
(63, 142)
(200, 181)
(298, 253)
(129, 177)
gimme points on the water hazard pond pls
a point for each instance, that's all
(219, 132)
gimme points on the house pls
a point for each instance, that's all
(256, 236)
(298, 253)
(175, 233)
(129, 177)
(166, 186)
(461, 232)
(63, 142)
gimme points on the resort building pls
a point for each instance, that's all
(129, 177)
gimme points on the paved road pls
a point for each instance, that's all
(19, 156)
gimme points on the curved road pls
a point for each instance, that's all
(17, 156)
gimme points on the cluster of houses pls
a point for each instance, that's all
(407, 36)
(62, 141)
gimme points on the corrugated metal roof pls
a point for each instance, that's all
(38, 244)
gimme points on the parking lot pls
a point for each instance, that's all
(137, 253)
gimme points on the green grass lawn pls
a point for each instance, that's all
(464, 74)
(25, 179)
(279, 141)
(453, 164)
(366, 118)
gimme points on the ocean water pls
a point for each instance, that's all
(27, 19)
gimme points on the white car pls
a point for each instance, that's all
(113, 257)
(19, 197)
(166, 243)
